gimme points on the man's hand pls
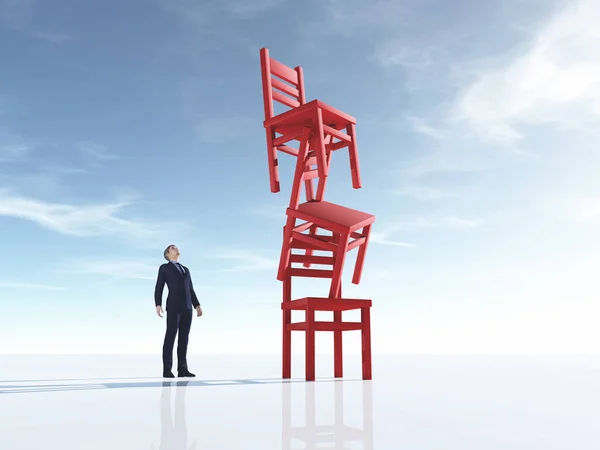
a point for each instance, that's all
(199, 310)
(159, 310)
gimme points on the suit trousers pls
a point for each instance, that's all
(177, 321)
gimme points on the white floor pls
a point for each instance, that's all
(239, 402)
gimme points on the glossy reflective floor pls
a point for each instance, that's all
(412, 403)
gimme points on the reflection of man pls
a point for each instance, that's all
(180, 300)
(173, 435)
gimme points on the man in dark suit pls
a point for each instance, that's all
(180, 300)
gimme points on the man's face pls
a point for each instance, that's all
(173, 252)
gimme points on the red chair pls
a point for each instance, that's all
(311, 304)
(343, 223)
(285, 85)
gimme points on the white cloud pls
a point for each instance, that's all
(114, 267)
(13, 148)
(271, 212)
(422, 193)
(248, 261)
(203, 12)
(556, 80)
(421, 126)
(444, 222)
(32, 286)
(380, 238)
(19, 15)
(393, 53)
(82, 220)
(96, 151)
(587, 211)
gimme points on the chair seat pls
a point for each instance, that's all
(332, 216)
(331, 116)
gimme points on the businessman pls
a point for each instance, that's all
(180, 303)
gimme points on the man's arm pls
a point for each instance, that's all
(195, 301)
(160, 285)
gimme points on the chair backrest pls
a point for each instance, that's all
(275, 79)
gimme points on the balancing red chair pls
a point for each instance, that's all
(285, 85)
(343, 224)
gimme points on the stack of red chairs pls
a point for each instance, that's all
(315, 224)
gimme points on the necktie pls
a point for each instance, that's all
(181, 269)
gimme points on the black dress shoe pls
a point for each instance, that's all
(185, 373)
(168, 374)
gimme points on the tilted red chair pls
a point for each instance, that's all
(349, 228)
(285, 85)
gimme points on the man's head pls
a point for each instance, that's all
(171, 253)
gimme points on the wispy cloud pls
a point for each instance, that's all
(587, 211)
(218, 129)
(244, 261)
(421, 126)
(383, 238)
(556, 80)
(30, 286)
(114, 267)
(83, 220)
(395, 53)
(270, 211)
(354, 17)
(20, 15)
(422, 193)
(96, 151)
(204, 12)
(424, 223)
(13, 147)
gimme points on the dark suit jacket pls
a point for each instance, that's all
(181, 290)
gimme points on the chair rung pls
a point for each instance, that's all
(310, 273)
(337, 145)
(285, 88)
(287, 101)
(310, 174)
(327, 326)
(326, 304)
(338, 134)
(315, 241)
(312, 259)
(287, 149)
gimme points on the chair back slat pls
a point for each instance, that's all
(281, 84)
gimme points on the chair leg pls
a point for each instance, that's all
(320, 147)
(366, 343)
(360, 257)
(338, 268)
(286, 248)
(310, 344)
(300, 167)
(287, 333)
(272, 158)
(338, 358)
(353, 153)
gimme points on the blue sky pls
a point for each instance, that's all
(128, 126)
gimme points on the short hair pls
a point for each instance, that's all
(167, 251)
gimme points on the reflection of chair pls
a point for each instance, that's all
(315, 435)
(173, 435)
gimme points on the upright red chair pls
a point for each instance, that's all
(315, 126)
(285, 85)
